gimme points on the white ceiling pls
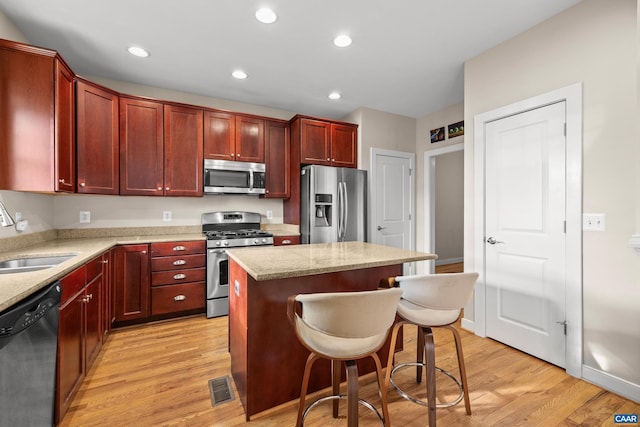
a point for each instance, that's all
(406, 58)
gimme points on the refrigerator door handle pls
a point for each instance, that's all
(340, 203)
(345, 209)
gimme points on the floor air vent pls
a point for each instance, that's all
(221, 391)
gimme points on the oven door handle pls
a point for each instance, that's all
(250, 180)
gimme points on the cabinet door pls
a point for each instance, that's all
(278, 158)
(131, 282)
(97, 139)
(183, 161)
(249, 139)
(70, 361)
(141, 147)
(65, 160)
(219, 135)
(315, 140)
(107, 294)
(28, 119)
(93, 318)
(344, 145)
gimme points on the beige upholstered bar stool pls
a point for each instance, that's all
(343, 326)
(432, 301)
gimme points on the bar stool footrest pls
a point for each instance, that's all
(422, 402)
(341, 396)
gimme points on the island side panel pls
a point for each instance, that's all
(238, 329)
(275, 358)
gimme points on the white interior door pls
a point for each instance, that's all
(525, 232)
(392, 200)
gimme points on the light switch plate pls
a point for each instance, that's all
(594, 222)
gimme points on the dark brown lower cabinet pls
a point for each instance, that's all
(80, 329)
(131, 283)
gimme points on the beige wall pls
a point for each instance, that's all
(594, 43)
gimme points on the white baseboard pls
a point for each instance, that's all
(611, 383)
(449, 261)
(467, 324)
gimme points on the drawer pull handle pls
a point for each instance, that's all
(179, 276)
(179, 248)
(286, 242)
(179, 298)
(179, 262)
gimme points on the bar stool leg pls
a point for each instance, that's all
(461, 367)
(305, 385)
(430, 356)
(381, 387)
(352, 393)
(419, 355)
(335, 383)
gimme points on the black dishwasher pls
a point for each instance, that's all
(28, 347)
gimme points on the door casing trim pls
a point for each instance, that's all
(430, 197)
(572, 95)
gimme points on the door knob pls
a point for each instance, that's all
(493, 241)
(381, 228)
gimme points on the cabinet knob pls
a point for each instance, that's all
(179, 298)
(328, 159)
(179, 248)
(238, 155)
(61, 180)
(82, 184)
(159, 188)
(179, 276)
(179, 262)
(233, 155)
(166, 188)
(286, 242)
(333, 160)
(143, 252)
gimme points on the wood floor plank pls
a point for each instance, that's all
(157, 375)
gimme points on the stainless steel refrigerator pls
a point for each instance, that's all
(333, 204)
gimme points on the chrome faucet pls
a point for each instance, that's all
(5, 218)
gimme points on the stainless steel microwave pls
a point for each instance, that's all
(229, 177)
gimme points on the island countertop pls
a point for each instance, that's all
(268, 263)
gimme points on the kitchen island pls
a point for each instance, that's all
(267, 361)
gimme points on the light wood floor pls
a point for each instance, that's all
(157, 375)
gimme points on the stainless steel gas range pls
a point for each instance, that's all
(228, 229)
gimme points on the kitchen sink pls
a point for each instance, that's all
(26, 264)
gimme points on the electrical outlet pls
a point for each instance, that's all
(269, 214)
(85, 217)
(166, 216)
(594, 222)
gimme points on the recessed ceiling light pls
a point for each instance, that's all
(334, 95)
(239, 74)
(342, 40)
(138, 51)
(266, 15)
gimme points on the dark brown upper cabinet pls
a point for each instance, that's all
(97, 139)
(37, 137)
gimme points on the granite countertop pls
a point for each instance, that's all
(268, 263)
(17, 286)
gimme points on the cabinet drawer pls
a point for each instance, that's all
(94, 268)
(72, 283)
(286, 240)
(175, 298)
(159, 278)
(178, 262)
(177, 248)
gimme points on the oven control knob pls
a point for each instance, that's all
(256, 241)
(226, 243)
(264, 240)
(217, 243)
